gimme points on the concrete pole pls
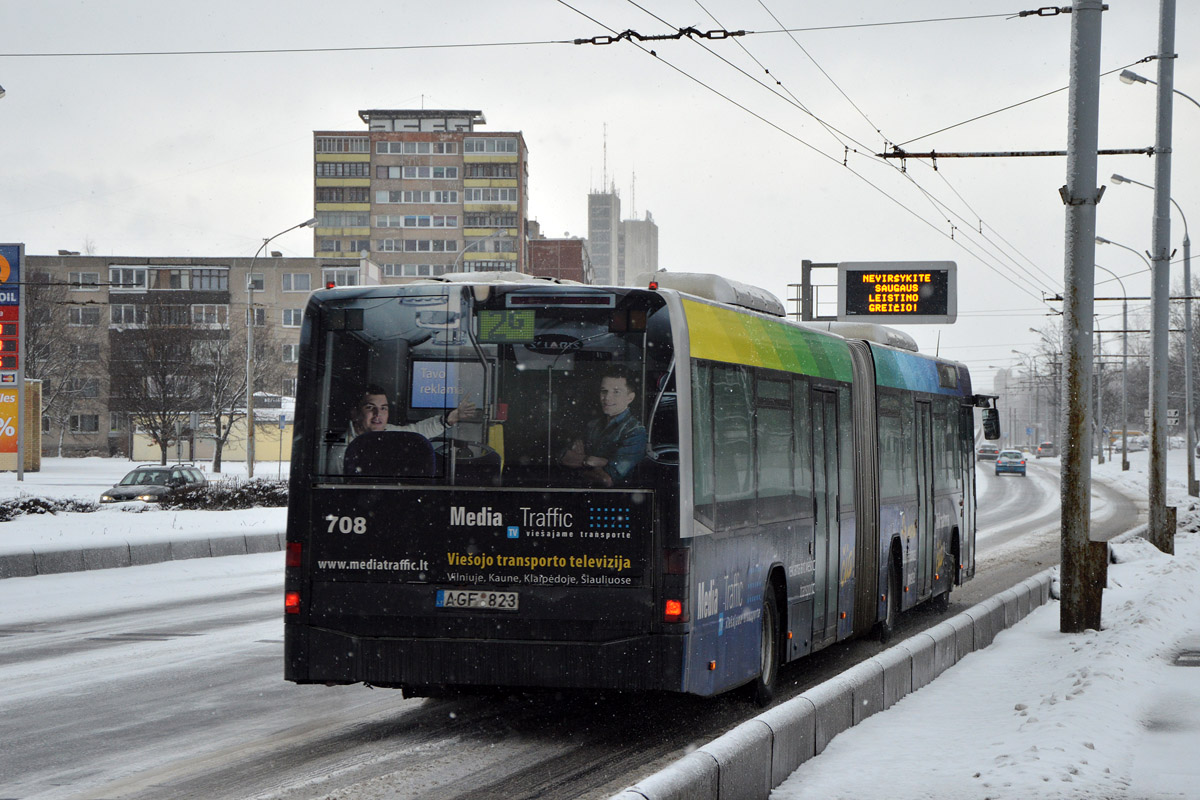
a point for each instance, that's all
(1102, 439)
(1161, 534)
(1081, 575)
(1188, 375)
(1124, 386)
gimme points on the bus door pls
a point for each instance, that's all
(825, 515)
(923, 452)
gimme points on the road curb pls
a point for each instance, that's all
(757, 756)
(28, 563)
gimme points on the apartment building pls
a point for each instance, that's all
(88, 313)
(562, 259)
(422, 192)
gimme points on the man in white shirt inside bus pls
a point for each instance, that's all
(370, 413)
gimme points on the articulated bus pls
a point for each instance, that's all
(786, 487)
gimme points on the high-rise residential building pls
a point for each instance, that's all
(604, 236)
(423, 192)
(639, 247)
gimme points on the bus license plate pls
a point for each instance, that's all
(470, 598)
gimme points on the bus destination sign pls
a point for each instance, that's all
(905, 292)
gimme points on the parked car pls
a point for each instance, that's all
(987, 452)
(1047, 450)
(152, 483)
(1011, 461)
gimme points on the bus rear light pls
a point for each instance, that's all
(293, 554)
(291, 602)
(712, 666)
(673, 611)
(789, 635)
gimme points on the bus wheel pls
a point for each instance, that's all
(887, 627)
(768, 650)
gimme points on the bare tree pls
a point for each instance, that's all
(154, 378)
(65, 357)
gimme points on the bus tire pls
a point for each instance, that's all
(763, 687)
(887, 626)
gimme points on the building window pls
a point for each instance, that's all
(291, 353)
(45, 424)
(343, 219)
(210, 280)
(260, 316)
(85, 351)
(84, 423)
(255, 282)
(489, 266)
(84, 281)
(116, 422)
(417, 246)
(343, 169)
(359, 246)
(211, 315)
(343, 144)
(490, 145)
(492, 170)
(81, 315)
(82, 387)
(431, 197)
(416, 148)
(297, 282)
(329, 246)
(127, 279)
(292, 317)
(417, 173)
(477, 219)
(413, 270)
(416, 221)
(490, 195)
(127, 314)
(289, 387)
(343, 194)
(334, 276)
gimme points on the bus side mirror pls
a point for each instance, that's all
(991, 423)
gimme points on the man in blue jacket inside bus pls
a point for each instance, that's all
(615, 443)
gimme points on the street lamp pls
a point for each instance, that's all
(1124, 369)
(1189, 404)
(250, 343)
(1130, 77)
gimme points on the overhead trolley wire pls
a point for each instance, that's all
(810, 146)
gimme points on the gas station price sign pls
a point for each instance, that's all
(898, 292)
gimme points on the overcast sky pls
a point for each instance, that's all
(207, 154)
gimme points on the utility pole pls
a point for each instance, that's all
(1162, 532)
(1084, 562)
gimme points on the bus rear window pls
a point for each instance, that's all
(495, 388)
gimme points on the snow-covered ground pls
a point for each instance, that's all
(122, 523)
(1042, 714)
(1101, 714)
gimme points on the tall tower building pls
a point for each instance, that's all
(422, 192)
(640, 247)
(604, 236)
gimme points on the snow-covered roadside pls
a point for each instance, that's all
(124, 523)
(1100, 714)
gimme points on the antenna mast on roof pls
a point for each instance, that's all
(633, 197)
(604, 175)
